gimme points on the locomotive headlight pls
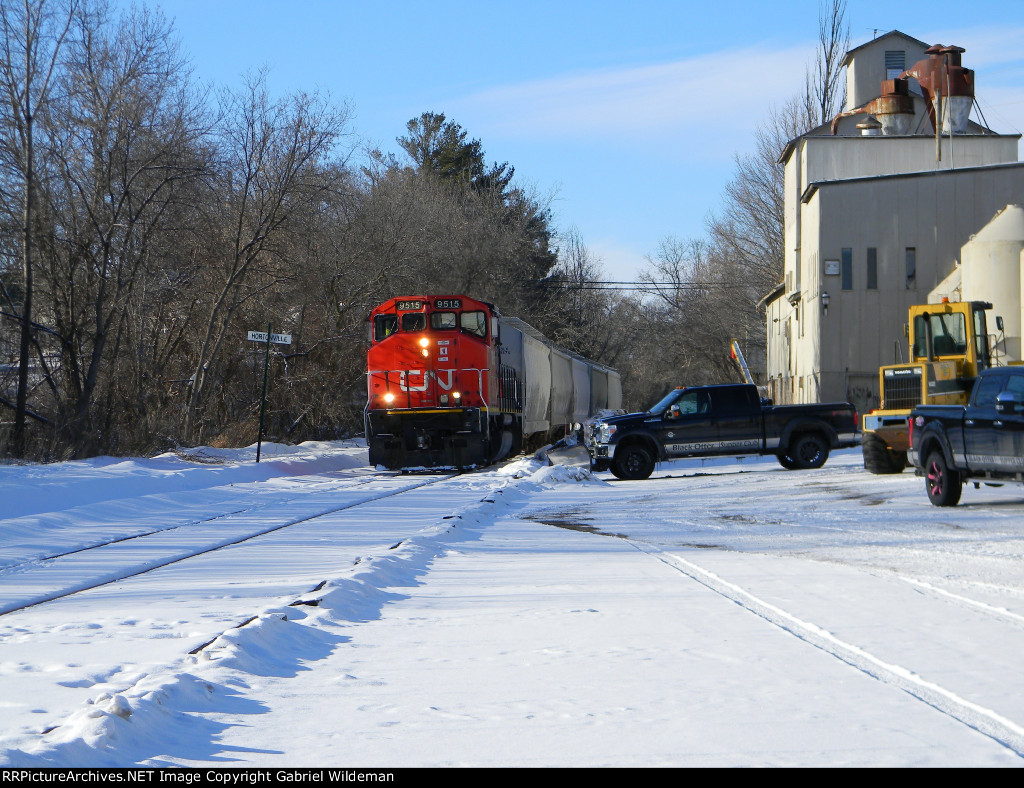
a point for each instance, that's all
(424, 342)
(389, 398)
(457, 395)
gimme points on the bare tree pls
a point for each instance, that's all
(270, 151)
(126, 137)
(744, 254)
(696, 292)
(32, 36)
(581, 309)
(825, 90)
(750, 228)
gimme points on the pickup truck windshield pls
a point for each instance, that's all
(663, 404)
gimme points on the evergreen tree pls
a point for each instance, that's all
(440, 146)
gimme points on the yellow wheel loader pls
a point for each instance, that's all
(949, 346)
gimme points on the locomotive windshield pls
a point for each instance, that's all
(443, 321)
(414, 321)
(473, 323)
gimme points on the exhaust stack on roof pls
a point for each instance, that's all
(948, 87)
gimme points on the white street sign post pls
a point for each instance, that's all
(267, 337)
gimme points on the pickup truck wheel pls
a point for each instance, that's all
(809, 451)
(786, 461)
(632, 462)
(879, 458)
(943, 484)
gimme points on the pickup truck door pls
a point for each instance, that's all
(980, 438)
(687, 427)
(738, 417)
(1009, 429)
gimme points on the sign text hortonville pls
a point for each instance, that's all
(277, 339)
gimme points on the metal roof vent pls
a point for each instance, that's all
(870, 128)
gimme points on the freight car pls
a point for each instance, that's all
(453, 384)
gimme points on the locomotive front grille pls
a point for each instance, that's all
(901, 388)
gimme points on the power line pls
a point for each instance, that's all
(650, 287)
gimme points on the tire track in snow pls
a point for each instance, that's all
(966, 601)
(982, 719)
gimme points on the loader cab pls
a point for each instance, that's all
(951, 331)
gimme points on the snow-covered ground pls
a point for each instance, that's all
(310, 611)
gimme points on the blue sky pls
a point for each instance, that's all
(628, 114)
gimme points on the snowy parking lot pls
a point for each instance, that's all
(310, 611)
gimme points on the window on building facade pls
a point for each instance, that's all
(911, 258)
(846, 269)
(895, 63)
(872, 268)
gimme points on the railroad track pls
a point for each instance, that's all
(188, 523)
(220, 575)
(63, 573)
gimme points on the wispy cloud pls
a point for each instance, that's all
(989, 50)
(618, 261)
(723, 93)
(711, 102)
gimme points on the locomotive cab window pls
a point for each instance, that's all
(414, 321)
(444, 321)
(384, 326)
(474, 323)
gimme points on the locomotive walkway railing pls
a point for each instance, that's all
(428, 375)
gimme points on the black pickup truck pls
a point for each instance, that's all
(982, 441)
(728, 419)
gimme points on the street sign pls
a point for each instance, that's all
(266, 337)
(277, 339)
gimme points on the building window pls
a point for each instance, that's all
(872, 270)
(846, 269)
(911, 268)
(895, 64)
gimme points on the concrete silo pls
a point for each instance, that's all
(991, 271)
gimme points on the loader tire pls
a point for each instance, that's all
(879, 458)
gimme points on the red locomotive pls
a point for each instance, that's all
(451, 383)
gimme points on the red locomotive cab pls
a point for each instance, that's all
(432, 391)
(432, 352)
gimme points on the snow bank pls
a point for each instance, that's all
(36, 489)
(159, 716)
